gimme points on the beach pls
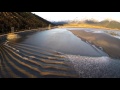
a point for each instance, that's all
(103, 41)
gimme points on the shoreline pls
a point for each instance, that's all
(28, 30)
(110, 45)
(3, 37)
(94, 27)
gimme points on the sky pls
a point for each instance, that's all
(59, 16)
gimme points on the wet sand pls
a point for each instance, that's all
(95, 67)
(109, 44)
(59, 53)
(27, 61)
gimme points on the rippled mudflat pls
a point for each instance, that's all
(60, 53)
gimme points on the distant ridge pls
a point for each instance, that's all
(20, 21)
(112, 24)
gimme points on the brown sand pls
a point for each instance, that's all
(109, 44)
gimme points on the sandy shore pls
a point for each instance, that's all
(95, 67)
(109, 44)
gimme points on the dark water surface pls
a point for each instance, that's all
(63, 41)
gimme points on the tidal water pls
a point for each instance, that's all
(64, 41)
(87, 60)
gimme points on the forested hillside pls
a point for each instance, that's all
(20, 21)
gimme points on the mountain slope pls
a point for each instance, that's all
(92, 23)
(110, 24)
(20, 20)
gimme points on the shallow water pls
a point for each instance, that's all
(95, 67)
(63, 41)
(114, 33)
(86, 59)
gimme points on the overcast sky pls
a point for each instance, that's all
(58, 16)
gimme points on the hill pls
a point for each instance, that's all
(20, 21)
(60, 22)
(108, 24)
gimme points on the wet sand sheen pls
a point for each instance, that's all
(59, 53)
(109, 44)
(17, 63)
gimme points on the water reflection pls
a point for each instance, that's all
(61, 40)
